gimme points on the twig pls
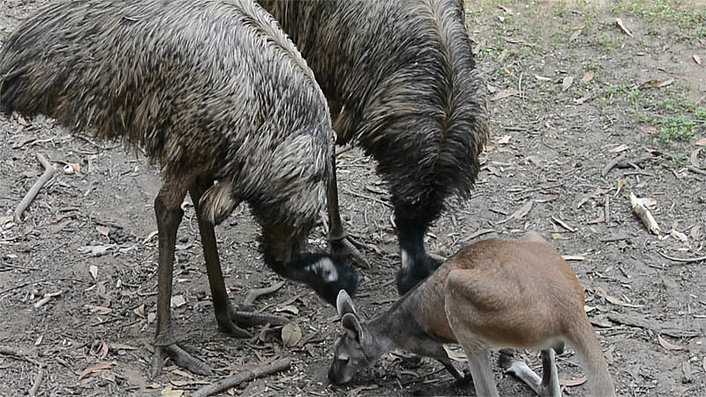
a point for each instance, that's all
(49, 171)
(612, 164)
(377, 200)
(244, 376)
(4, 350)
(253, 294)
(697, 170)
(606, 209)
(563, 224)
(683, 260)
(33, 391)
(476, 235)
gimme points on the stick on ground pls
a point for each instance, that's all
(49, 171)
(258, 292)
(245, 376)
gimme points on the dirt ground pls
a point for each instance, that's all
(570, 91)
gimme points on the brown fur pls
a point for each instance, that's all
(491, 294)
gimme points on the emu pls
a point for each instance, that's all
(218, 97)
(401, 82)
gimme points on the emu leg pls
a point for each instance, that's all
(227, 318)
(339, 241)
(169, 214)
(416, 264)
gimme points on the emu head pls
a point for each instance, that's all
(329, 274)
(326, 274)
(355, 349)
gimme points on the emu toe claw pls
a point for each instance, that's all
(344, 245)
(249, 319)
(180, 357)
(233, 321)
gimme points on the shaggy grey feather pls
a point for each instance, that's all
(212, 87)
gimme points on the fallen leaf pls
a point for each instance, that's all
(697, 59)
(121, 346)
(151, 317)
(169, 392)
(39, 340)
(178, 301)
(619, 302)
(149, 237)
(93, 269)
(573, 257)
(513, 40)
(104, 230)
(47, 298)
(622, 26)
(575, 35)
(29, 174)
(701, 142)
(648, 129)
(182, 373)
(98, 309)
(640, 208)
(291, 334)
(521, 212)
(104, 351)
(620, 148)
(679, 236)
(669, 345)
(504, 140)
(611, 299)
(96, 250)
(289, 309)
(621, 183)
(687, 372)
(505, 94)
(572, 382)
(456, 354)
(566, 83)
(97, 367)
(656, 83)
(140, 311)
(588, 76)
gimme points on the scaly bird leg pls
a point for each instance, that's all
(339, 241)
(169, 214)
(228, 319)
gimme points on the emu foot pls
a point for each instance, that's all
(345, 245)
(181, 357)
(232, 320)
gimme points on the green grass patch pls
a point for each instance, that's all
(677, 128)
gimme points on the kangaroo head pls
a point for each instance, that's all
(355, 349)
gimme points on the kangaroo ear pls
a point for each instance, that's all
(352, 325)
(344, 304)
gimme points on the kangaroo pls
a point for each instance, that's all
(492, 294)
